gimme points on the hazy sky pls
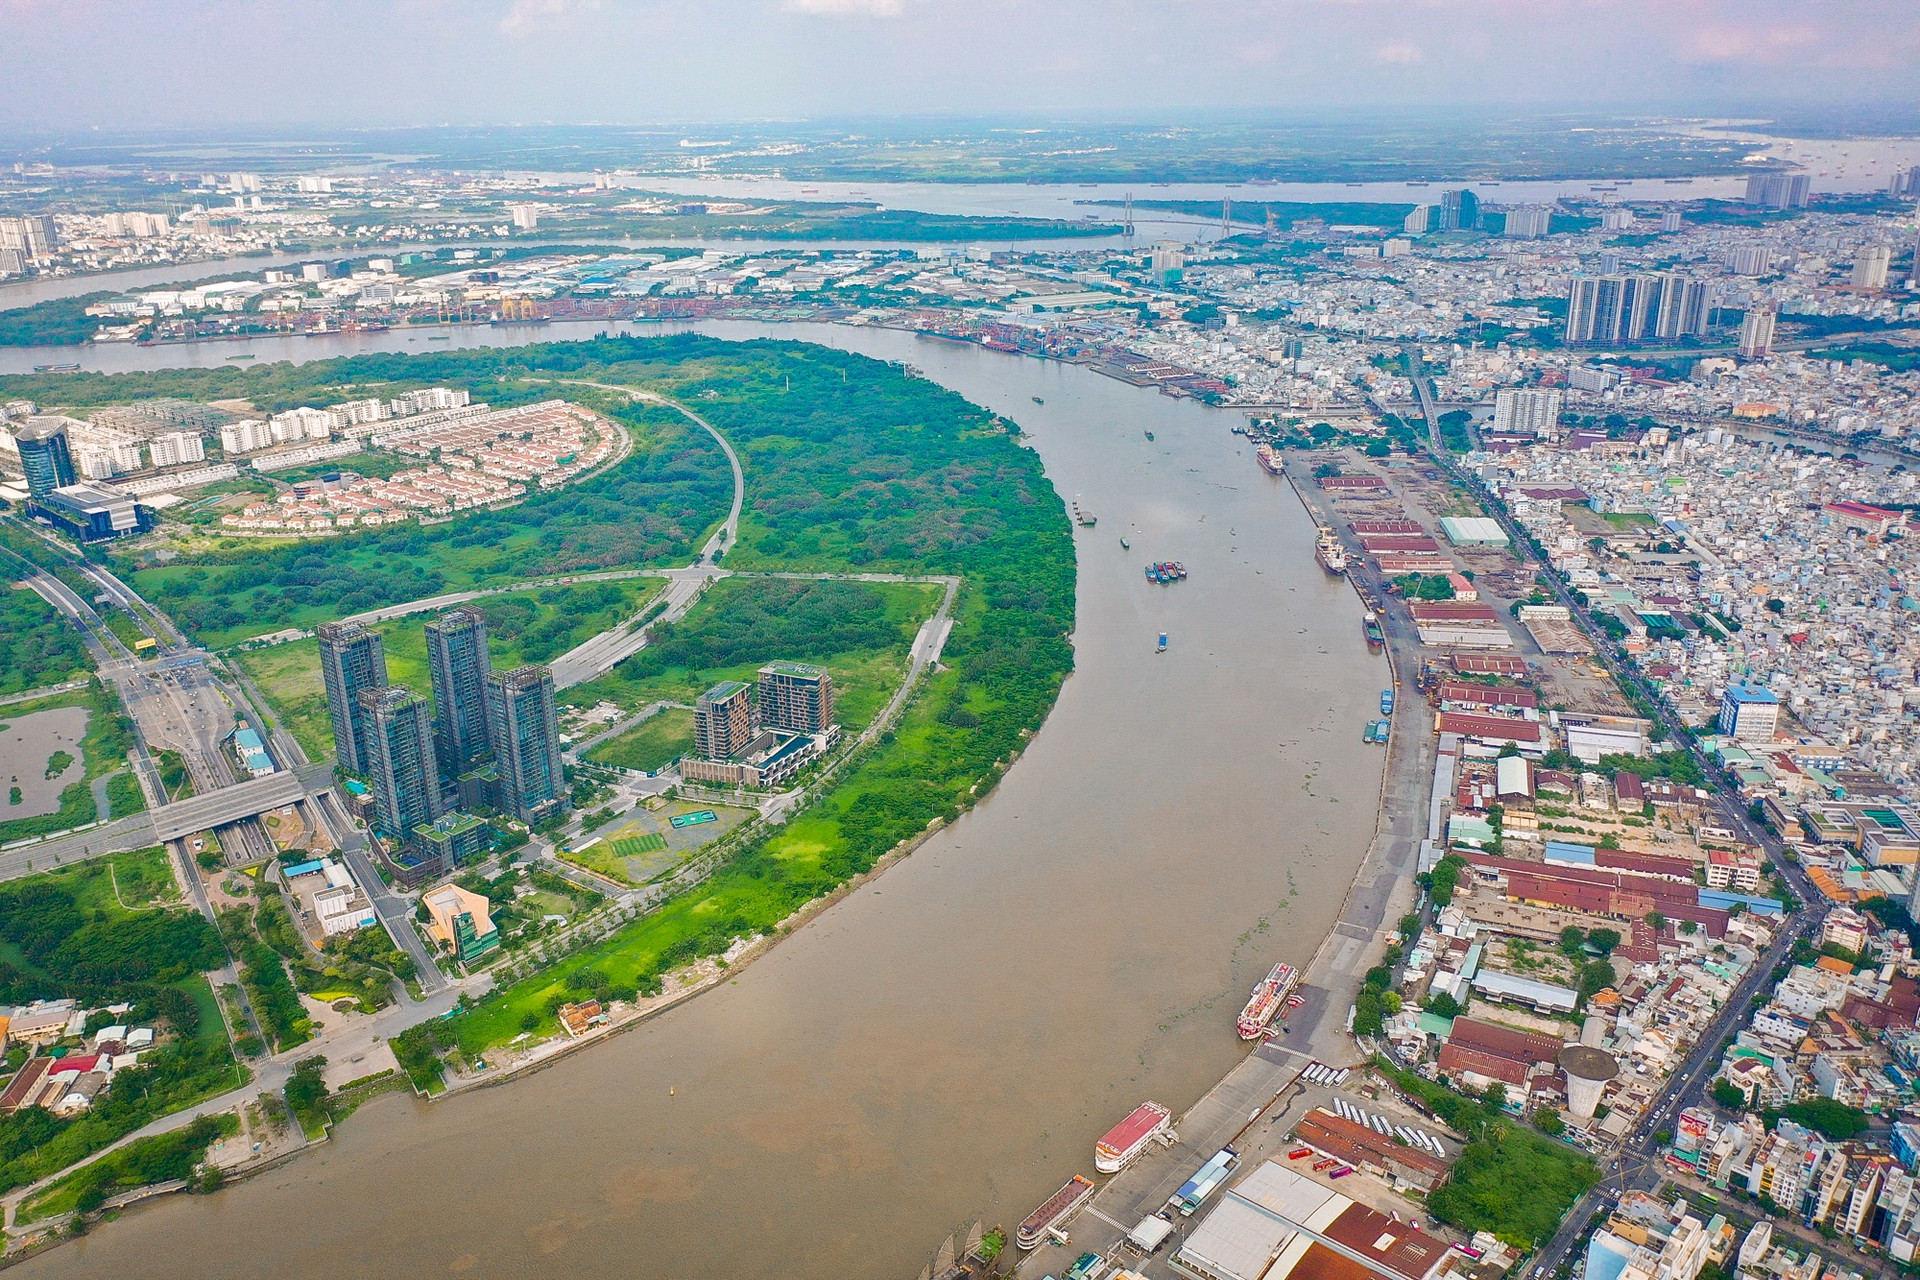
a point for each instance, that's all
(120, 63)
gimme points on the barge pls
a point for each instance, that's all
(1081, 515)
(1056, 1209)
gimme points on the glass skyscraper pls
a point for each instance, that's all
(45, 456)
(351, 662)
(524, 727)
(457, 660)
(400, 765)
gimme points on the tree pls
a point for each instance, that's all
(1379, 449)
(1729, 1095)
(1548, 1121)
(1496, 1094)
(1604, 939)
(1776, 606)
(1439, 1002)
(1656, 921)
(1368, 1014)
(1571, 941)
(1596, 977)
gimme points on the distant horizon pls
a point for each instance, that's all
(277, 64)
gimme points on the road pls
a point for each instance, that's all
(1636, 1164)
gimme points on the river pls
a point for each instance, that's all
(948, 1041)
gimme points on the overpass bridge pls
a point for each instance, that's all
(226, 805)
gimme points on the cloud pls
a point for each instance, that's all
(531, 17)
(1402, 53)
(1753, 43)
(845, 8)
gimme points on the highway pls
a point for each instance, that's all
(1636, 1164)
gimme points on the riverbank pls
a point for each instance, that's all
(1381, 891)
(1072, 940)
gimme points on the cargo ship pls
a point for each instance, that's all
(1081, 515)
(1270, 459)
(1057, 1208)
(1376, 638)
(1268, 999)
(1328, 551)
(1130, 1137)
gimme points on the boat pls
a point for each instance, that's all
(1328, 551)
(1202, 1184)
(1386, 702)
(440, 337)
(1376, 638)
(246, 356)
(1267, 1000)
(1125, 545)
(72, 366)
(1057, 1208)
(1130, 1137)
(1270, 459)
(1149, 435)
(1081, 515)
(1162, 648)
(1038, 400)
(502, 321)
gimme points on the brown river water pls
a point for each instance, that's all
(947, 1042)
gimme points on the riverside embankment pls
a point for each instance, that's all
(947, 1038)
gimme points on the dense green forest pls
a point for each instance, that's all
(38, 646)
(55, 322)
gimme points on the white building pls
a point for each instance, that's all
(172, 448)
(1528, 221)
(246, 436)
(1530, 412)
(1749, 713)
(1870, 268)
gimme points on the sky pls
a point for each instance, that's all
(139, 64)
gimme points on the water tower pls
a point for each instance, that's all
(1588, 1070)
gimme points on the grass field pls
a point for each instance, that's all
(658, 740)
(859, 632)
(522, 626)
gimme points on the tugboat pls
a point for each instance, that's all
(1162, 648)
(1038, 400)
(1125, 545)
(1149, 435)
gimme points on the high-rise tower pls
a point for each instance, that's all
(351, 662)
(458, 663)
(524, 726)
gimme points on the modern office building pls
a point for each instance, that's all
(1534, 412)
(1529, 221)
(351, 662)
(45, 455)
(93, 512)
(1870, 268)
(1756, 334)
(795, 697)
(723, 720)
(458, 664)
(461, 920)
(523, 725)
(1749, 713)
(400, 767)
(1459, 210)
(1778, 190)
